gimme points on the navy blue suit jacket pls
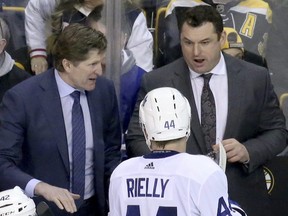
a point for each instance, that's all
(33, 140)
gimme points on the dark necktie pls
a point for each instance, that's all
(78, 147)
(208, 114)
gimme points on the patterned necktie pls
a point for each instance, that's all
(78, 147)
(208, 114)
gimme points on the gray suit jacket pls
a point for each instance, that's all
(33, 140)
(254, 119)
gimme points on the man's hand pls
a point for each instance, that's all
(61, 197)
(39, 65)
(235, 151)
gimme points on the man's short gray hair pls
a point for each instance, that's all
(4, 30)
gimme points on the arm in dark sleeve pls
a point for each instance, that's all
(272, 133)
(134, 139)
(12, 131)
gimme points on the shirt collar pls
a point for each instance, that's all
(219, 69)
(63, 88)
(160, 154)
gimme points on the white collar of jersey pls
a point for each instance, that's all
(161, 154)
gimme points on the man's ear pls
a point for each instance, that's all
(66, 65)
(2, 45)
(223, 37)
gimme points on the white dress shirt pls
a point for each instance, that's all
(219, 86)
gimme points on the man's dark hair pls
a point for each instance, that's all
(201, 14)
(75, 42)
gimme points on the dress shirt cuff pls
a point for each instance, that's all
(30, 187)
(246, 166)
(38, 53)
(246, 163)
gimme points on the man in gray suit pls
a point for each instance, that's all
(249, 122)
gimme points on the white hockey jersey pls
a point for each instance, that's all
(162, 184)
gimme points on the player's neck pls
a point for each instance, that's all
(179, 146)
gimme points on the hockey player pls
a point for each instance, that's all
(168, 181)
(250, 18)
(235, 47)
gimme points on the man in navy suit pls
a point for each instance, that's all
(249, 121)
(36, 127)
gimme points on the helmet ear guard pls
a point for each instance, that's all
(15, 203)
(164, 114)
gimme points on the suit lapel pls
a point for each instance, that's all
(51, 104)
(183, 84)
(235, 96)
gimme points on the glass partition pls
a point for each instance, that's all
(148, 31)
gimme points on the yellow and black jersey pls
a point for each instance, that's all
(251, 19)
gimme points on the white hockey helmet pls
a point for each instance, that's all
(15, 203)
(164, 114)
